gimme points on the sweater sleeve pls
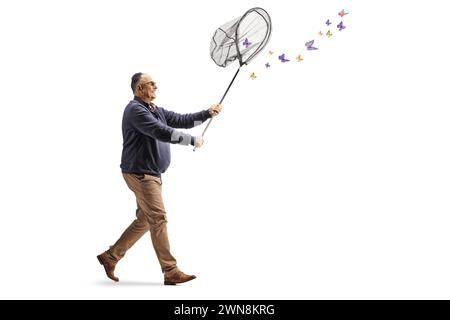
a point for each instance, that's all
(148, 125)
(185, 121)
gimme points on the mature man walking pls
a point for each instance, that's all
(147, 132)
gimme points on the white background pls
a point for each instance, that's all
(325, 179)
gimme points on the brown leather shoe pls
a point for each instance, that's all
(109, 266)
(172, 278)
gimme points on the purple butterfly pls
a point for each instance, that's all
(267, 65)
(341, 26)
(282, 58)
(246, 43)
(309, 45)
(328, 22)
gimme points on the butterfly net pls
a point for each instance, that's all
(242, 38)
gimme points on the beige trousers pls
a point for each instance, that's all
(150, 215)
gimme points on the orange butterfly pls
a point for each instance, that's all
(342, 13)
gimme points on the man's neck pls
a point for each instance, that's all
(145, 103)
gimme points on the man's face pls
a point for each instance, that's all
(146, 88)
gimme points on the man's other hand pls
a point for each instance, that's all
(198, 141)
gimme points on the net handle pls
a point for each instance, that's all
(221, 100)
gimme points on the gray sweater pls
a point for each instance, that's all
(147, 134)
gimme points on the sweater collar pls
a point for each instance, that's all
(141, 101)
(150, 106)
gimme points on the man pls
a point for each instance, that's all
(147, 131)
